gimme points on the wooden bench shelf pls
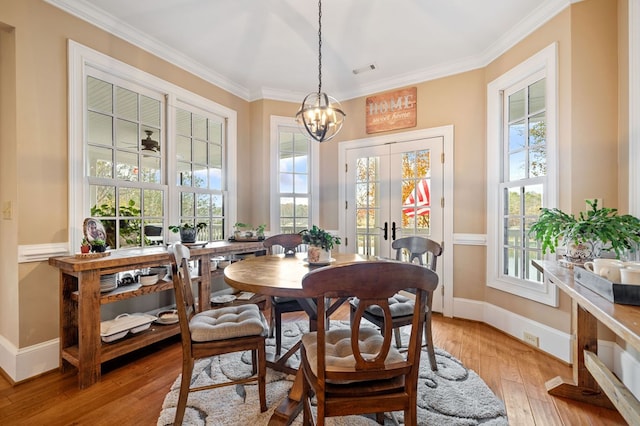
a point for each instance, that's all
(80, 300)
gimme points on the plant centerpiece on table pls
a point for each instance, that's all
(320, 244)
(585, 237)
(188, 232)
(98, 245)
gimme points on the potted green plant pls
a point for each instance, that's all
(188, 232)
(260, 230)
(98, 245)
(320, 244)
(585, 236)
(85, 247)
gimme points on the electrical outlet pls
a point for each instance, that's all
(531, 339)
(7, 213)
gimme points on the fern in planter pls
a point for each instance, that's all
(616, 233)
(319, 238)
(320, 244)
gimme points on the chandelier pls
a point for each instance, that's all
(320, 115)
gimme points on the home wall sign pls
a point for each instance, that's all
(392, 110)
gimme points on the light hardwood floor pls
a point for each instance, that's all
(133, 387)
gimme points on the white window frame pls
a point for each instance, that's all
(544, 62)
(80, 59)
(276, 122)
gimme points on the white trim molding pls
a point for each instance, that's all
(94, 15)
(470, 239)
(22, 364)
(41, 252)
(551, 341)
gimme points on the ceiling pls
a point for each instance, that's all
(269, 48)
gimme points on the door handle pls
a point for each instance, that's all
(393, 231)
(386, 231)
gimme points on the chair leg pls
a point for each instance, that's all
(396, 333)
(271, 319)
(307, 415)
(380, 418)
(185, 384)
(428, 339)
(262, 376)
(254, 362)
(278, 331)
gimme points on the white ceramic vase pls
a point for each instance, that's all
(317, 254)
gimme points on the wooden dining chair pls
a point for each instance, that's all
(289, 244)
(410, 249)
(357, 370)
(215, 332)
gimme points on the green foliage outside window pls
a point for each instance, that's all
(130, 229)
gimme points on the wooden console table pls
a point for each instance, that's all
(592, 381)
(80, 300)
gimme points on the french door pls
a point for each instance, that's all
(393, 191)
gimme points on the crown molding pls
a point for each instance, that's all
(89, 13)
(108, 23)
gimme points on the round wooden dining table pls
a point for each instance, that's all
(280, 275)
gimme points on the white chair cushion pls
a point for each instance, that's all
(399, 306)
(338, 354)
(227, 323)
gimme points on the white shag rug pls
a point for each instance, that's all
(453, 395)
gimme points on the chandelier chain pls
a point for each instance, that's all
(319, 46)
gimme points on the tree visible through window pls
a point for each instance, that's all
(199, 175)
(294, 180)
(525, 166)
(521, 172)
(125, 181)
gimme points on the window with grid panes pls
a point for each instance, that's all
(199, 172)
(138, 192)
(126, 188)
(524, 171)
(294, 180)
(521, 173)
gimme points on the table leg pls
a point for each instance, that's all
(290, 407)
(89, 341)
(583, 387)
(204, 285)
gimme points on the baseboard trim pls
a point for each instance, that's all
(624, 363)
(551, 341)
(32, 361)
(22, 364)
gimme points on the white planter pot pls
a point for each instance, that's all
(318, 255)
